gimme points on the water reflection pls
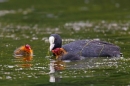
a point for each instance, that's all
(83, 68)
(25, 61)
(55, 78)
(55, 66)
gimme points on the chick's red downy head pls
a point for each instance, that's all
(57, 51)
(27, 46)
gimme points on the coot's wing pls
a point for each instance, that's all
(92, 48)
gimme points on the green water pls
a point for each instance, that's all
(32, 21)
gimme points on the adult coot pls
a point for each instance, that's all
(85, 48)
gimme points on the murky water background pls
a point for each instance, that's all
(32, 23)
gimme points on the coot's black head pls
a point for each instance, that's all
(55, 41)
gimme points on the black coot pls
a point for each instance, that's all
(85, 48)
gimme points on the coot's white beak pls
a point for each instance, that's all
(51, 40)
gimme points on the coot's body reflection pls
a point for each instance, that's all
(56, 66)
(86, 67)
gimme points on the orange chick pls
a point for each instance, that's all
(24, 50)
(59, 52)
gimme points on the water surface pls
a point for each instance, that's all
(32, 22)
